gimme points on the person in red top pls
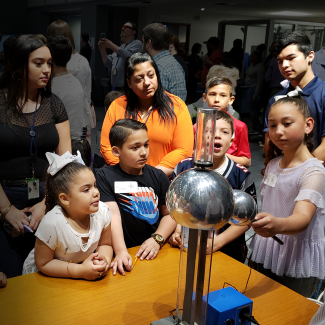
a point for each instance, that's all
(213, 57)
(218, 94)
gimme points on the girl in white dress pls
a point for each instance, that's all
(74, 237)
(292, 192)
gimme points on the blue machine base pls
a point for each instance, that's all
(225, 305)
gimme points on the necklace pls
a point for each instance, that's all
(26, 108)
(145, 113)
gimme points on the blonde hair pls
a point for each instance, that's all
(60, 27)
(221, 71)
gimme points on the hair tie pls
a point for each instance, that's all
(58, 162)
(293, 93)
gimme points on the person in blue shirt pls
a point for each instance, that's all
(231, 239)
(295, 54)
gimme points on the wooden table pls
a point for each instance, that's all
(146, 294)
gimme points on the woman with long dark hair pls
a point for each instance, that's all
(165, 115)
(32, 122)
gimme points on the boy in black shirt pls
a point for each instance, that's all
(135, 193)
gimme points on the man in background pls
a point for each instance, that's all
(115, 62)
(318, 64)
(156, 40)
(86, 49)
(213, 57)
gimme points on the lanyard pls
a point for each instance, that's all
(147, 117)
(124, 48)
(32, 134)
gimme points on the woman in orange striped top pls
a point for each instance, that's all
(166, 116)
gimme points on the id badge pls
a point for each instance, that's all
(125, 187)
(33, 188)
(271, 180)
(114, 72)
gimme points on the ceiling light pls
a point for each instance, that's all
(290, 13)
(202, 9)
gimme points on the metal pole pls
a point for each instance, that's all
(200, 277)
(190, 272)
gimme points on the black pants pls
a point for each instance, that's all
(13, 251)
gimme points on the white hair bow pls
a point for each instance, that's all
(58, 162)
(293, 93)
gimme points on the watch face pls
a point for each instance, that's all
(159, 238)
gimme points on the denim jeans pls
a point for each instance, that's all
(14, 251)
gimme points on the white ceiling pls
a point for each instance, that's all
(261, 9)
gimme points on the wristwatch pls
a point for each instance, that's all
(159, 239)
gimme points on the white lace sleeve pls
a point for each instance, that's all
(312, 187)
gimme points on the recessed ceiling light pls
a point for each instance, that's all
(202, 9)
(290, 13)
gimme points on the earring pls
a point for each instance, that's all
(68, 206)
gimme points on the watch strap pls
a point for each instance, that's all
(161, 243)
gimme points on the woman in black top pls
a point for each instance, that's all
(32, 122)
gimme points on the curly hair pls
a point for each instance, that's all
(272, 150)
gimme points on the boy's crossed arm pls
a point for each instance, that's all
(149, 249)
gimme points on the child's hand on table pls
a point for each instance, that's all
(122, 260)
(175, 239)
(149, 249)
(90, 271)
(100, 260)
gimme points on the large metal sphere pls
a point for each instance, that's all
(245, 209)
(200, 199)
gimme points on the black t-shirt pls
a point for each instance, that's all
(15, 140)
(138, 198)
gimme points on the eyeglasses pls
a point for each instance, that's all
(126, 27)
